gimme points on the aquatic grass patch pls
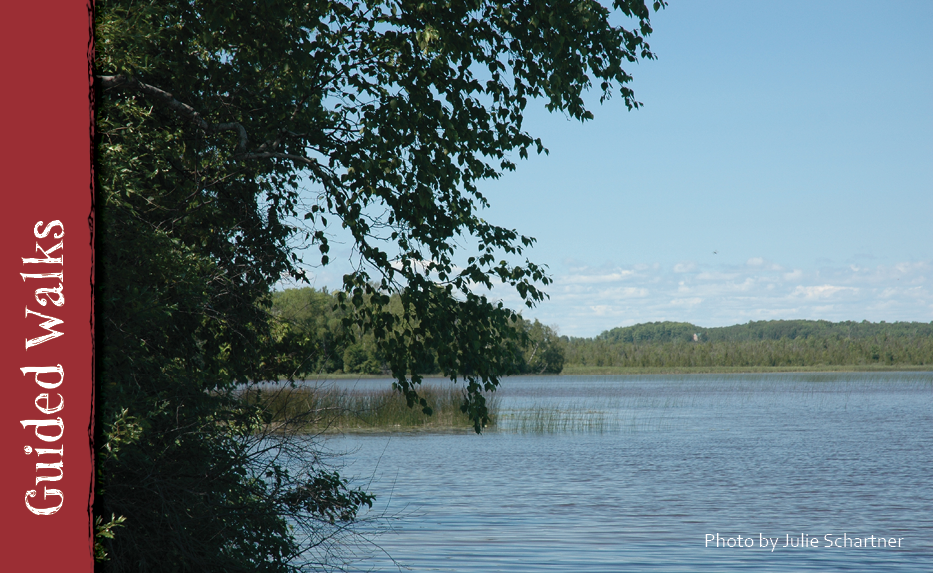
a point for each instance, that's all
(621, 404)
(593, 405)
(553, 420)
(582, 420)
(327, 407)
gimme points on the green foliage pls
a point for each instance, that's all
(309, 322)
(221, 126)
(779, 343)
(104, 531)
(313, 324)
(544, 350)
(822, 329)
(651, 332)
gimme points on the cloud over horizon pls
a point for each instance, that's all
(587, 300)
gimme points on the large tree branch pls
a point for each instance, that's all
(168, 101)
(265, 151)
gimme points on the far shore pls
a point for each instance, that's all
(631, 371)
(617, 371)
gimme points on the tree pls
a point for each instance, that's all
(221, 126)
(544, 351)
(310, 322)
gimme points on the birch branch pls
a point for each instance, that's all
(167, 100)
(265, 151)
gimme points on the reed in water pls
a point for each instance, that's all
(328, 408)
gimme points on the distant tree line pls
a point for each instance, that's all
(764, 343)
(766, 330)
(313, 327)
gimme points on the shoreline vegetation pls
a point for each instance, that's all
(314, 325)
(383, 411)
(312, 322)
(339, 410)
(578, 370)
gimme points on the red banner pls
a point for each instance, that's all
(47, 288)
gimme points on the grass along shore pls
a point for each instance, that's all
(329, 409)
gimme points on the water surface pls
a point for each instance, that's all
(657, 465)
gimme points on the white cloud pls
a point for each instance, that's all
(822, 291)
(590, 300)
(686, 301)
(605, 310)
(759, 262)
(685, 267)
(597, 278)
(717, 276)
(907, 267)
(625, 292)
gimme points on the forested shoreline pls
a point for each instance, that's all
(762, 344)
(785, 352)
(312, 321)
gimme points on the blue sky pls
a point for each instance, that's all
(781, 167)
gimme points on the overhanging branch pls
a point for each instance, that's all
(265, 151)
(168, 101)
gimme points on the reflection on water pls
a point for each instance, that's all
(588, 473)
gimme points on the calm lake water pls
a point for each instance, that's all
(637, 473)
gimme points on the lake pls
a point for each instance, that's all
(603, 473)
